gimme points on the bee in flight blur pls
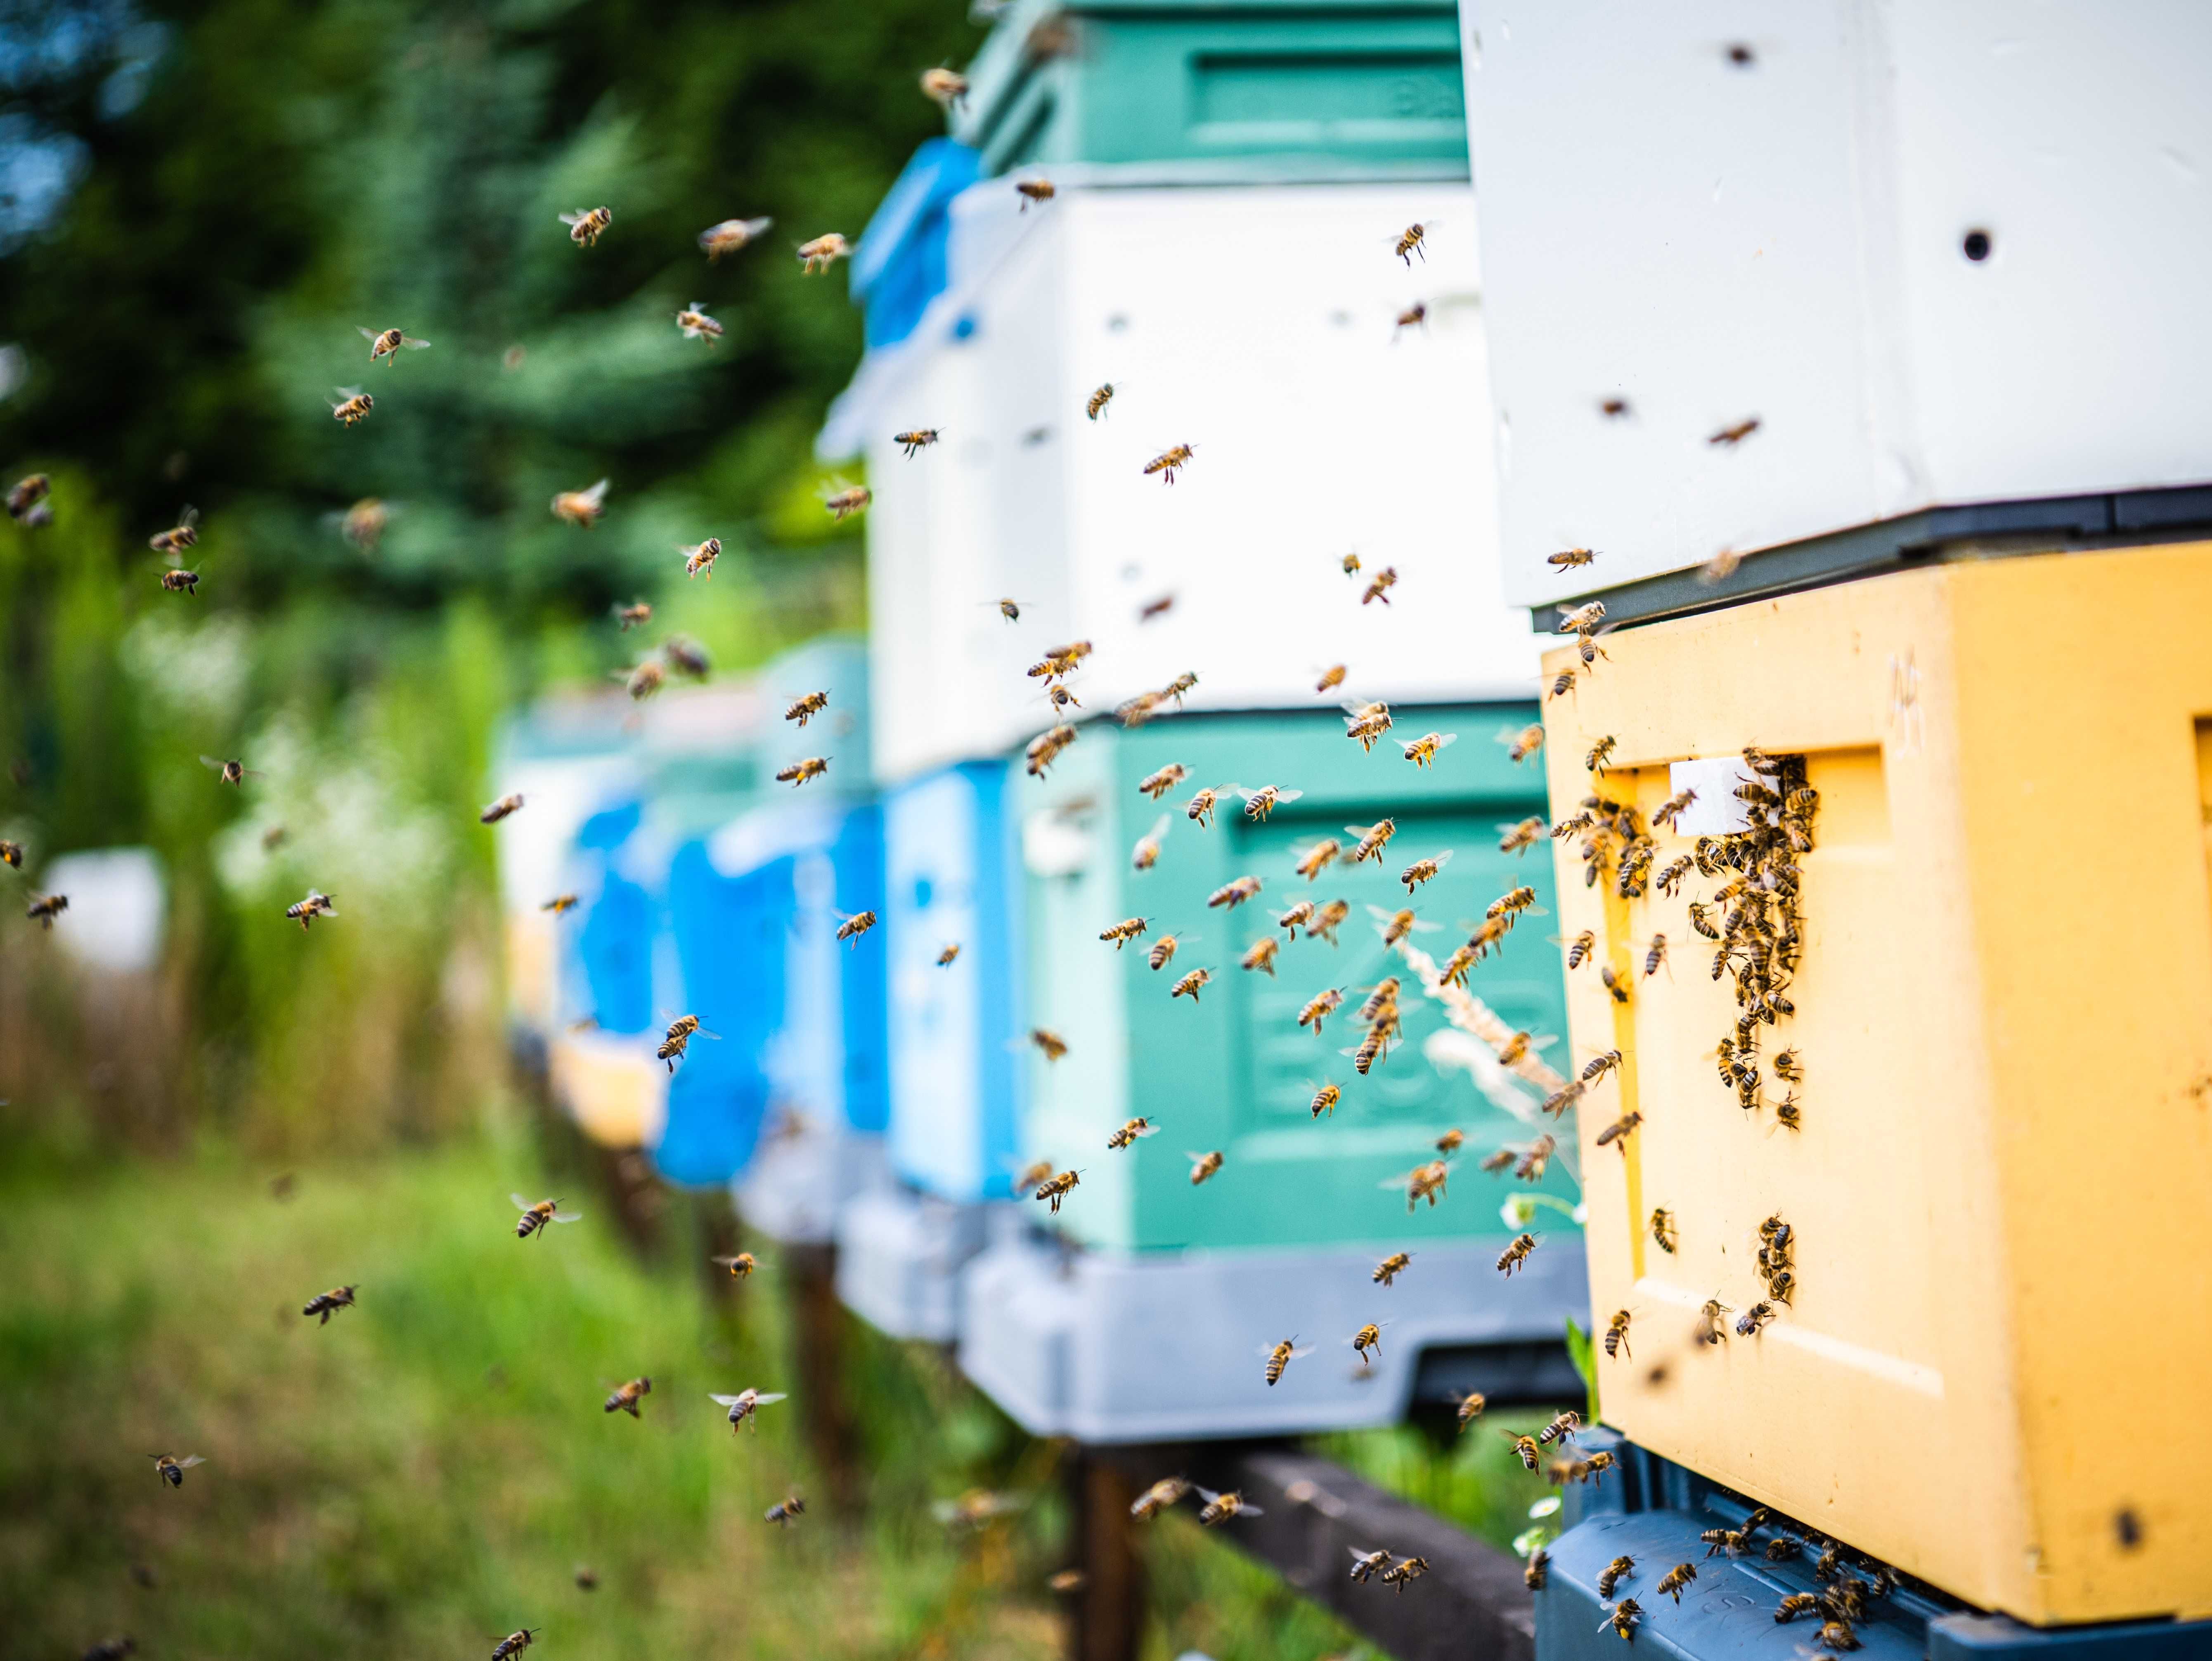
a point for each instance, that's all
(1513, 1257)
(1733, 435)
(625, 1398)
(1320, 1009)
(951, 951)
(1220, 1507)
(1385, 579)
(1415, 316)
(1279, 1356)
(1054, 1189)
(536, 1216)
(499, 809)
(183, 535)
(852, 927)
(317, 904)
(1567, 558)
(1388, 1271)
(1050, 1043)
(386, 343)
(630, 615)
(918, 438)
(976, 1507)
(1261, 954)
(1146, 853)
(1035, 190)
(1095, 406)
(11, 853)
(1127, 1134)
(787, 1510)
(1520, 746)
(846, 500)
(818, 255)
(1315, 858)
(1326, 921)
(1158, 784)
(586, 225)
(1421, 871)
(745, 1404)
(807, 708)
(353, 406)
(809, 767)
(1519, 838)
(1422, 750)
(1331, 678)
(177, 580)
(1234, 894)
(26, 492)
(1162, 1494)
(731, 234)
(740, 1266)
(1409, 241)
(944, 87)
(1423, 1181)
(171, 1469)
(326, 1303)
(1168, 463)
(515, 1643)
(1203, 1165)
(584, 508)
(696, 324)
(235, 772)
(1190, 985)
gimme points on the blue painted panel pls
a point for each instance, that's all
(864, 980)
(612, 947)
(899, 266)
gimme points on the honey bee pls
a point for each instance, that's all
(1189, 985)
(1220, 1507)
(1754, 1320)
(740, 1266)
(1279, 1356)
(695, 325)
(1535, 1574)
(1146, 853)
(1315, 858)
(1095, 406)
(1369, 1337)
(630, 615)
(745, 1407)
(951, 953)
(26, 492)
(304, 912)
(1612, 982)
(1168, 463)
(1513, 1258)
(1581, 619)
(1567, 558)
(626, 1397)
(1050, 1043)
(1559, 1430)
(1127, 1134)
(1560, 1100)
(1494, 1163)
(1385, 579)
(1613, 1574)
(1388, 1271)
(1519, 838)
(1456, 967)
(491, 815)
(1161, 1496)
(844, 503)
(1599, 753)
(1835, 1634)
(919, 438)
(1669, 880)
(1331, 678)
(584, 508)
(325, 1304)
(353, 406)
(1157, 785)
(853, 927)
(645, 681)
(171, 1469)
(1589, 651)
(1410, 240)
(1618, 1129)
(1202, 1165)
(1796, 1603)
(1164, 951)
(1367, 728)
(1415, 316)
(1654, 957)
(1054, 1189)
(1790, 1116)
(818, 255)
(1535, 1157)
(1717, 1540)
(1395, 925)
(1563, 682)
(1672, 1583)
(1626, 1615)
(11, 853)
(1234, 894)
(536, 1216)
(1365, 1563)
(1373, 838)
(1421, 871)
(386, 343)
(1616, 1337)
(1327, 921)
(183, 535)
(1423, 1181)
(1035, 190)
(731, 234)
(586, 225)
(1124, 931)
(1261, 954)
(1524, 1447)
(1259, 804)
(1788, 1067)
(1732, 436)
(1513, 1049)
(944, 87)
(807, 768)
(1399, 1574)
(1384, 996)
(1320, 1009)
(1663, 1234)
(1520, 746)
(785, 1511)
(1581, 947)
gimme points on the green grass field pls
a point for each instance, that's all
(430, 1470)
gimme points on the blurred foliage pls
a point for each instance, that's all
(243, 186)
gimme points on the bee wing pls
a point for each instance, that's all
(1380, 914)
(595, 496)
(346, 394)
(1288, 795)
(1150, 1130)
(1160, 827)
(726, 1263)
(1194, 1158)
(754, 227)
(368, 334)
(209, 760)
(1303, 1349)
(567, 1216)
(1207, 1493)
(767, 1395)
(411, 344)
(945, 1511)
(572, 218)
(1391, 1181)
(1444, 741)
(1444, 859)
(1426, 928)
(521, 1204)
(726, 1401)
(1245, 1508)
(190, 1460)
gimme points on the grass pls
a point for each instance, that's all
(430, 1470)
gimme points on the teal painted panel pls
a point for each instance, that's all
(1234, 1071)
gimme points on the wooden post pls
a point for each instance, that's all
(817, 1322)
(1107, 1613)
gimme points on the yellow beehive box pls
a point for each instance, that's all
(1996, 1367)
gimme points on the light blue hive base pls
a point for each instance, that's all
(805, 1172)
(899, 1258)
(1108, 1348)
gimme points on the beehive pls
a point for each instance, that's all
(2005, 1013)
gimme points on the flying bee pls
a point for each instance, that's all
(1421, 871)
(1202, 1165)
(1367, 729)
(745, 1407)
(1158, 784)
(1560, 1100)
(1050, 1043)
(1534, 1574)
(740, 1266)
(1663, 1234)
(1315, 858)
(1613, 1574)
(1520, 746)
(1400, 1575)
(1385, 579)
(1384, 995)
(695, 325)
(626, 1397)
(1369, 1337)
(183, 535)
(1164, 951)
(324, 1304)
(1320, 1009)
(236, 773)
(1327, 921)
(1494, 1163)
(944, 87)
(809, 767)
(1396, 926)
(807, 708)
(1410, 240)
(1655, 957)
(1388, 1271)
(1054, 1189)
(1563, 682)
(1259, 804)
(731, 234)
(698, 558)
(1169, 463)
(1581, 619)
(1127, 1134)
(642, 682)
(1200, 809)
(1613, 983)
(1599, 753)
(1670, 811)
(1189, 985)
(1303, 912)
(1062, 697)
(1279, 1356)
(12, 852)
(1618, 1129)
(1567, 558)
(1732, 436)
(1535, 1157)
(586, 225)
(1162, 1495)
(1415, 316)
(1701, 920)
(951, 951)
(1559, 1430)
(386, 343)
(499, 810)
(1373, 838)
(515, 1643)
(1220, 1507)
(1146, 853)
(630, 615)
(1600, 1065)
(785, 1511)
(584, 508)
(26, 492)
(1035, 190)
(353, 406)
(1513, 1049)
(1672, 1583)
(852, 927)
(1581, 947)
(1423, 1181)
(1365, 1563)
(1754, 1320)
(819, 254)
(536, 1215)
(171, 1469)
(1456, 967)
(1261, 954)
(1513, 1257)
(1331, 678)
(1616, 1337)
(1234, 894)
(1669, 880)
(1627, 1615)
(1719, 1541)
(919, 438)
(1124, 931)
(848, 500)
(304, 912)
(1096, 405)
(1524, 1447)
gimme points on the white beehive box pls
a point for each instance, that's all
(1258, 325)
(1738, 211)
